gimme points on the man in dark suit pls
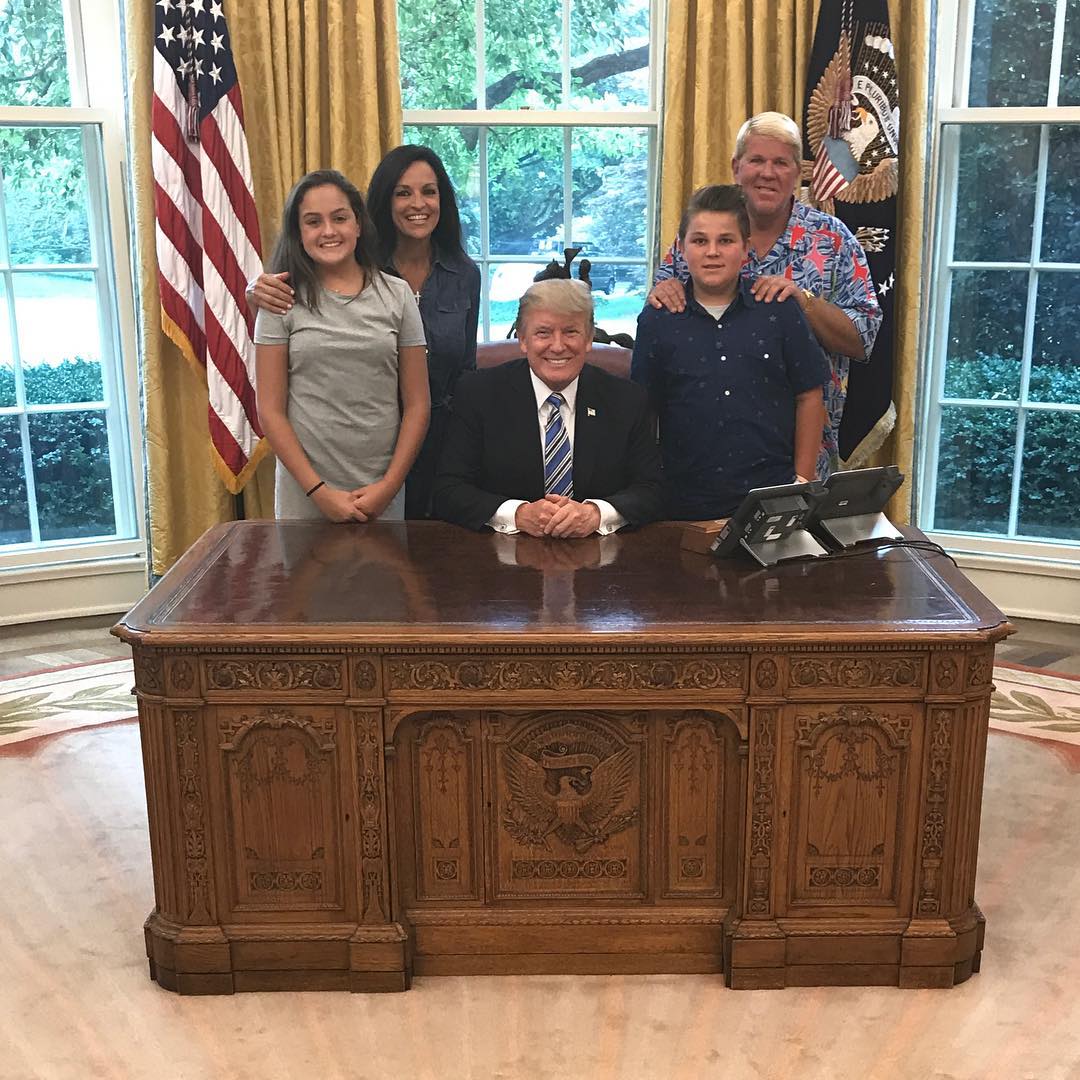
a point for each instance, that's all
(548, 445)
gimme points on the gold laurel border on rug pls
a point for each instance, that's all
(65, 699)
(1036, 703)
(1028, 702)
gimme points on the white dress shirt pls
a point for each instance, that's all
(503, 520)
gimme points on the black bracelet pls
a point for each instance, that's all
(314, 489)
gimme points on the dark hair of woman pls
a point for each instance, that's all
(289, 253)
(447, 234)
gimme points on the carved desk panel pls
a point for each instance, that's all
(394, 749)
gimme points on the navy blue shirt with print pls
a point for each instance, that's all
(724, 394)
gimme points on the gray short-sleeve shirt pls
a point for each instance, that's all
(343, 383)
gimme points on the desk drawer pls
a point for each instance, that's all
(886, 674)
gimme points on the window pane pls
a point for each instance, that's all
(525, 190)
(523, 54)
(14, 512)
(1061, 217)
(1010, 52)
(974, 474)
(33, 61)
(57, 320)
(995, 202)
(609, 54)
(45, 199)
(459, 150)
(7, 355)
(437, 49)
(1069, 86)
(986, 334)
(1050, 492)
(72, 479)
(619, 291)
(611, 189)
(506, 283)
(1055, 355)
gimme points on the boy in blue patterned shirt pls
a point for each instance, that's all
(736, 383)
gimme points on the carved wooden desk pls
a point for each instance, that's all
(378, 750)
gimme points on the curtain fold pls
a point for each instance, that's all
(729, 59)
(321, 90)
(911, 33)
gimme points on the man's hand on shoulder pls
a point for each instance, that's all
(669, 294)
(775, 287)
(572, 519)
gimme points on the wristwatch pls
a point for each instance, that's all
(809, 296)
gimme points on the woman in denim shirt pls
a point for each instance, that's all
(412, 202)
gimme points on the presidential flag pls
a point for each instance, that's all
(207, 227)
(851, 146)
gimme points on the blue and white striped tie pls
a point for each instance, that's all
(558, 458)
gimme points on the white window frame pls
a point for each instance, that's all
(567, 119)
(984, 552)
(97, 574)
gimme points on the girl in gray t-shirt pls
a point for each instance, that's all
(342, 377)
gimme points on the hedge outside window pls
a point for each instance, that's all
(1003, 438)
(65, 470)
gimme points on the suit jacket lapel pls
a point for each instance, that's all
(524, 426)
(586, 432)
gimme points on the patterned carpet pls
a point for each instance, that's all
(1026, 701)
(62, 699)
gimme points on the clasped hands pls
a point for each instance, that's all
(557, 515)
(361, 504)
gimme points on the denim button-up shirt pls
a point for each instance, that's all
(450, 308)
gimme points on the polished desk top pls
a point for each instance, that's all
(413, 582)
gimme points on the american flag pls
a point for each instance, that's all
(826, 181)
(207, 227)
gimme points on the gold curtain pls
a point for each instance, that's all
(729, 59)
(321, 90)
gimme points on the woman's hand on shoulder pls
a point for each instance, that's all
(271, 292)
(373, 499)
(338, 505)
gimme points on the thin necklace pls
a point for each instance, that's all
(347, 298)
(416, 292)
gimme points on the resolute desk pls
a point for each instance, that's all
(374, 751)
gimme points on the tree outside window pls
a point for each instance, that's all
(528, 188)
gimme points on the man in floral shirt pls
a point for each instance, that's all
(796, 252)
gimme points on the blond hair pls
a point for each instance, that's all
(562, 296)
(772, 125)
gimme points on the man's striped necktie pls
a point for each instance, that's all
(558, 457)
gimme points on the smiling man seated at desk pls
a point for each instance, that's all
(548, 445)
